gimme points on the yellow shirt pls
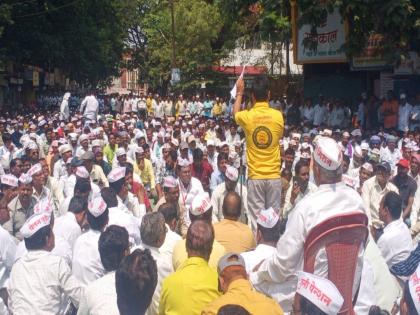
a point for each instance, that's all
(263, 127)
(188, 290)
(180, 254)
(217, 109)
(234, 236)
(146, 174)
(241, 293)
(149, 105)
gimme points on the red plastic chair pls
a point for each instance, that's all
(341, 236)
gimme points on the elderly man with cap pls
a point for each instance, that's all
(83, 145)
(365, 172)
(66, 153)
(21, 207)
(332, 198)
(229, 185)
(121, 158)
(407, 187)
(232, 234)
(374, 189)
(236, 288)
(40, 280)
(9, 187)
(87, 265)
(201, 210)
(96, 173)
(318, 295)
(194, 285)
(153, 234)
(390, 153)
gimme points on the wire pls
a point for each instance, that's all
(47, 11)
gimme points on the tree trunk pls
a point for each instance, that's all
(287, 44)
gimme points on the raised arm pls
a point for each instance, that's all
(240, 88)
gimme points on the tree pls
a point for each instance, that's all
(84, 38)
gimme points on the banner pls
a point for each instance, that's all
(371, 57)
(329, 39)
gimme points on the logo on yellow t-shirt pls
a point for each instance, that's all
(262, 137)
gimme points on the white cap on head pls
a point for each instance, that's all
(31, 145)
(356, 132)
(96, 206)
(97, 143)
(170, 182)
(210, 142)
(327, 132)
(184, 162)
(328, 154)
(25, 179)
(139, 150)
(35, 169)
(320, 291)
(414, 286)
(65, 148)
(200, 204)
(367, 166)
(34, 223)
(364, 146)
(82, 172)
(231, 173)
(120, 151)
(175, 142)
(267, 218)
(9, 180)
(83, 137)
(116, 174)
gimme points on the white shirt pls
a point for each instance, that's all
(391, 157)
(404, 113)
(67, 228)
(133, 205)
(37, 283)
(171, 238)
(319, 113)
(7, 255)
(326, 202)
(254, 257)
(121, 216)
(164, 268)
(218, 196)
(90, 107)
(187, 195)
(87, 265)
(395, 243)
(372, 195)
(60, 169)
(100, 297)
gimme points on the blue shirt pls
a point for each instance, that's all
(217, 177)
(407, 267)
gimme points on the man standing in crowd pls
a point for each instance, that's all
(90, 107)
(263, 127)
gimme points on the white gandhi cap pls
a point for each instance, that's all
(328, 154)
(96, 206)
(35, 223)
(267, 218)
(320, 291)
(200, 204)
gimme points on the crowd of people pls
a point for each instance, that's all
(159, 206)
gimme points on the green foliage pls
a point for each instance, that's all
(84, 38)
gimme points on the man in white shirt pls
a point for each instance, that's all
(90, 107)
(395, 243)
(332, 198)
(100, 296)
(390, 153)
(60, 170)
(153, 233)
(39, 279)
(87, 265)
(404, 114)
(374, 189)
(320, 112)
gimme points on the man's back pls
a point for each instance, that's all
(234, 236)
(263, 128)
(190, 289)
(241, 293)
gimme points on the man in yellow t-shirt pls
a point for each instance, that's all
(263, 127)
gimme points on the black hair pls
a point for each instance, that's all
(260, 88)
(82, 185)
(271, 234)
(232, 309)
(173, 154)
(97, 223)
(376, 310)
(77, 204)
(118, 185)
(146, 147)
(109, 196)
(169, 211)
(39, 239)
(14, 161)
(222, 156)
(346, 158)
(299, 165)
(197, 154)
(393, 202)
(135, 282)
(308, 308)
(289, 151)
(6, 137)
(128, 168)
(112, 245)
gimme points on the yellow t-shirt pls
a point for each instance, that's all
(263, 127)
(234, 236)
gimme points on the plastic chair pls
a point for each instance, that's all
(341, 236)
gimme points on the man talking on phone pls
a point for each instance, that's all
(300, 188)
